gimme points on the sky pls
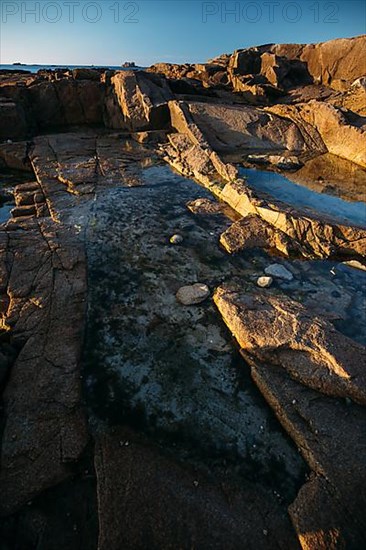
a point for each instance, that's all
(109, 32)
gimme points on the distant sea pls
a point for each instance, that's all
(36, 68)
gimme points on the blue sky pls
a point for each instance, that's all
(109, 32)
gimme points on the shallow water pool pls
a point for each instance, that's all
(282, 188)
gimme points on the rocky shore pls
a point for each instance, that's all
(182, 355)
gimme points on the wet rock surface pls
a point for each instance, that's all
(220, 514)
(167, 371)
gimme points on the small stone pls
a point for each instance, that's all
(176, 239)
(279, 271)
(265, 532)
(264, 282)
(9, 141)
(294, 401)
(194, 294)
(195, 483)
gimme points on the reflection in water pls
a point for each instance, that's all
(285, 190)
(334, 176)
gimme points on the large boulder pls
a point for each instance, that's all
(137, 101)
(66, 102)
(336, 62)
(229, 127)
(13, 120)
(343, 132)
(277, 330)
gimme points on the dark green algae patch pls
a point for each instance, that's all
(168, 370)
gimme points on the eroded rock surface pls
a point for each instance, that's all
(329, 511)
(280, 331)
(130, 469)
(43, 299)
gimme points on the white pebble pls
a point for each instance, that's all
(176, 239)
(264, 282)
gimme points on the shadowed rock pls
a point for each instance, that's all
(252, 232)
(188, 509)
(45, 431)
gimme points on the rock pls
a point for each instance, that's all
(152, 137)
(355, 264)
(14, 156)
(176, 239)
(194, 294)
(215, 514)
(205, 206)
(137, 101)
(283, 72)
(333, 61)
(279, 271)
(285, 163)
(46, 286)
(66, 102)
(13, 120)
(86, 74)
(327, 238)
(330, 509)
(254, 232)
(279, 71)
(342, 132)
(359, 83)
(279, 161)
(276, 329)
(228, 127)
(190, 154)
(264, 282)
